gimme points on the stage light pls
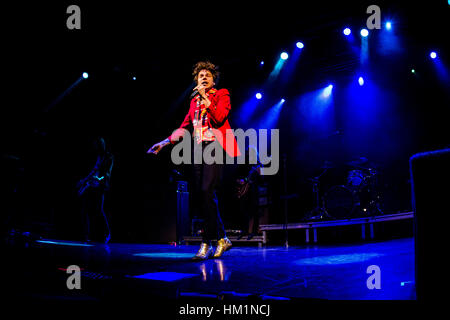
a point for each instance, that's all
(262, 63)
(65, 243)
(364, 32)
(337, 259)
(258, 96)
(270, 118)
(413, 71)
(327, 91)
(85, 75)
(164, 276)
(388, 25)
(134, 78)
(433, 55)
(171, 255)
(284, 56)
(361, 81)
(300, 45)
(347, 31)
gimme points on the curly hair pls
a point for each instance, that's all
(206, 65)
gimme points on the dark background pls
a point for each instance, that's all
(47, 147)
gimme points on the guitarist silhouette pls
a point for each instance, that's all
(247, 191)
(91, 190)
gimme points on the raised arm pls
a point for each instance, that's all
(175, 136)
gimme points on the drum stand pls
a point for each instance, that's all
(374, 201)
(319, 212)
(374, 205)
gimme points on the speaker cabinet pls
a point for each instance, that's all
(174, 222)
(430, 181)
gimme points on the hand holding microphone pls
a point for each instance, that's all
(199, 89)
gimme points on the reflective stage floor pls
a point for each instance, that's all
(38, 270)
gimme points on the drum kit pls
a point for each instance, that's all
(358, 197)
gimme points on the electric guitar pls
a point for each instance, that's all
(242, 189)
(244, 184)
(93, 182)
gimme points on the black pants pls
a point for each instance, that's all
(207, 178)
(95, 222)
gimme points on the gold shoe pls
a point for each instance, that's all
(223, 245)
(204, 252)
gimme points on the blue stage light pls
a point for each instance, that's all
(165, 276)
(85, 75)
(364, 32)
(433, 55)
(65, 243)
(327, 91)
(270, 118)
(262, 63)
(347, 31)
(284, 56)
(134, 78)
(361, 81)
(300, 45)
(163, 255)
(258, 96)
(338, 259)
(388, 25)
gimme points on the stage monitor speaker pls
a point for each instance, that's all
(430, 182)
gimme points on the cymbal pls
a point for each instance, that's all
(327, 165)
(363, 163)
(358, 162)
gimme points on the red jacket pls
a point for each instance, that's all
(218, 121)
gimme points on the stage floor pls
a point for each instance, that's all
(37, 270)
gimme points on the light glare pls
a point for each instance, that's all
(361, 81)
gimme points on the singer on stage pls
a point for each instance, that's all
(208, 113)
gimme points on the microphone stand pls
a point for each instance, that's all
(319, 212)
(286, 240)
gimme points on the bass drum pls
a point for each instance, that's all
(340, 202)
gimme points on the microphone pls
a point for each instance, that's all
(193, 94)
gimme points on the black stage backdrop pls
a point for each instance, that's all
(47, 143)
